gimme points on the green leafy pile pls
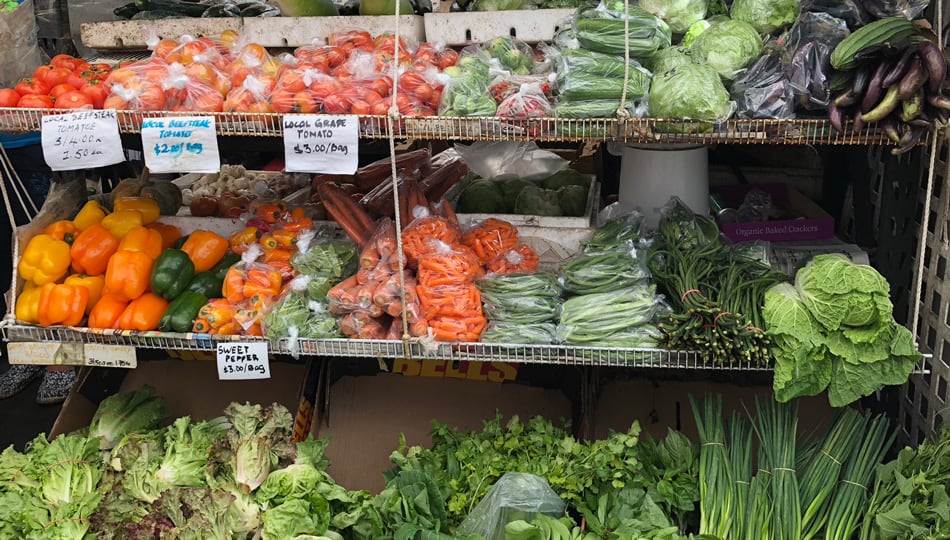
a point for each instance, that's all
(766, 16)
(622, 488)
(910, 498)
(834, 330)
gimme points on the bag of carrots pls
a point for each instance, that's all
(381, 249)
(491, 238)
(428, 226)
(360, 324)
(446, 264)
(454, 312)
(520, 260)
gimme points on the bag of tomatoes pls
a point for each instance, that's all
(138, 86)
(253, 95)
(437, 55)
(190, 50)
(528, 102)
(188, 93)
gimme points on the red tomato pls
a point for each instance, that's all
(360, 107)
(56, 76)
(335, 104)
(35, 101)
(152, 98)
(115, 102)
(78, 79)
(65, 61)
(9, 97)
(73, 100)
(41, 72)
(381, 108)
(423, 92)
(32, 86)
(61, 89)
(97, 93)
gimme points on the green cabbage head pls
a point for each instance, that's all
(766, 16)
(679, 14)
(728, 46)
(689, 90)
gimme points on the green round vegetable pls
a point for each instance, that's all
(728, 46)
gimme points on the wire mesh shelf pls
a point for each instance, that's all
(637, 131)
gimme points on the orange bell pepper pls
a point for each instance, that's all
(90, 214)
(93, 284)
(205, 249)
(147, 207)
(144, 240)
(233, 287)
(262, 283)
(62, 304)
(143, 313)
(106, 312)
(45, 260)
(170, 233)
(64, 230)
(241, 239)
(128, 274)
(91, 250)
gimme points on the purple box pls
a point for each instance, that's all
(813, 222)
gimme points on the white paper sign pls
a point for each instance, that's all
(81, 140)
(114, 356)
(180, 144)
(239, 361)
(321, 143)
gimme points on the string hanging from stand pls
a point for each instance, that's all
(935, 141)
(391, 119)
(622, 112)
(19, 190)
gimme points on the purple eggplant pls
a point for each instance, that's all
(938, 101)
(836, 117)
(899, 69)
(872, 96)
(915, 77)
(910, 139)
(936, 64)
(890, 129)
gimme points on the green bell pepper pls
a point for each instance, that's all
(220, 270)
(182, 312)
(181, 241)
(171, 273)
(206, 284)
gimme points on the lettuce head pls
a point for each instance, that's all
(679, 14)
(728, 46)
(766, 16)
(689, 90)
(840, 293)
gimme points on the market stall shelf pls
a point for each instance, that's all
(639, 130)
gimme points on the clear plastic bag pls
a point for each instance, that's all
(504, 86)
(491, 238)
(519, 260)
(763, 91)
(544, 333)
(592, 318)
(521, 159)
(528, 102)
(605, 271)
(252, 96)
(852, 11)
(18, 41)
(600, 28)
(138, 86)
(807, 64)
(188, 93)
(453, 312)
(880, 9)
(514, 496)
(521, 298)
(427, 227)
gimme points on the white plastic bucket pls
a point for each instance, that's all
(649, 177)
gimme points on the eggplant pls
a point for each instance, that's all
(938, 101)
(874, 90)
(899, 69)
(890, 129)
(909, 140)
(836, 117)
(915, 77)
(932, 57)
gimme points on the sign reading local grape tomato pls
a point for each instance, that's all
(185, 144)
(81, 140)
(241, 361)
(321, 143)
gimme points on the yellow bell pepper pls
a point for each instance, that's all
(44, 260)
(28, 305)
(121, 222)
(93, 283)
(147, 207)
(90, 214)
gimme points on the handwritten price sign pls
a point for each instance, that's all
(180, 144)
(321, 143)
(241, 361)
(81, 140)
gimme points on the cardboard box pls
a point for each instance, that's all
(814, 223)
(189, 388)
(364, 416)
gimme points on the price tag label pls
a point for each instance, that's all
(180, 144)
(81, 140)
(321, 143)
(114, 356)
(241, 361)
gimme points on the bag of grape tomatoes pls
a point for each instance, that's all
(252, 96)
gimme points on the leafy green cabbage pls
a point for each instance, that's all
(766, 16)
(728, 46)
(688, 90)
(679, 14)
(834, 330)
(123, 413)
